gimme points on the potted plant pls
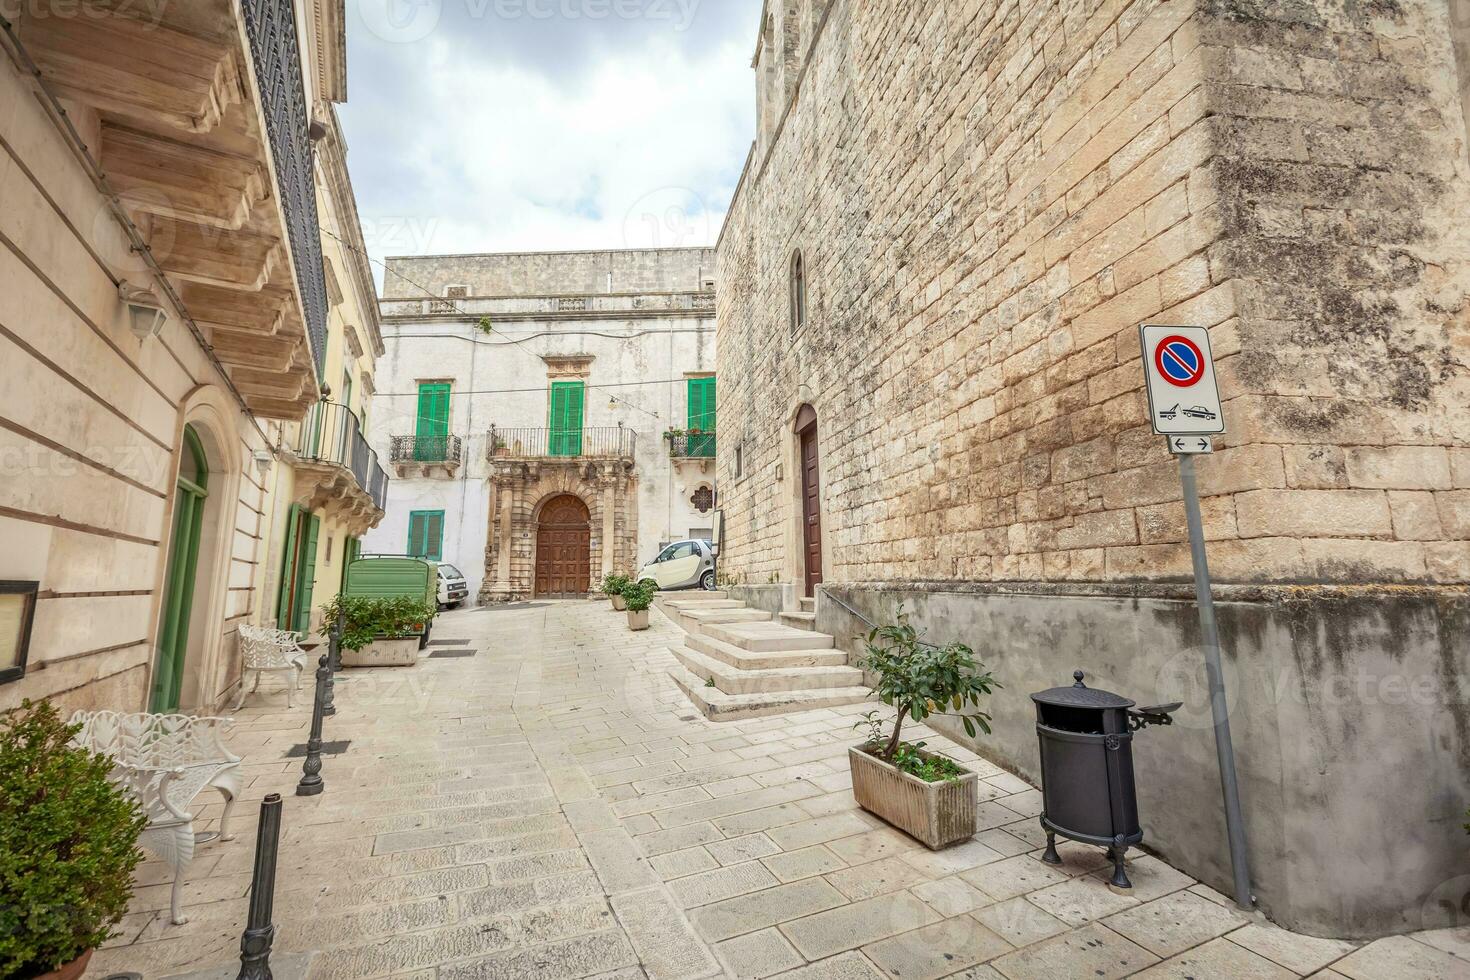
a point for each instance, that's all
(638, 596)
(380, 631)
(68, 847)
(499, 448)
(612, 587)
(923, 793)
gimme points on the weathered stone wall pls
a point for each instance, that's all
(991, 196)
(552, 273)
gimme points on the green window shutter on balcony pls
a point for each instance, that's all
(567, 399)
(426, 534)
(306, 583)
(702, 416)
(432, 432)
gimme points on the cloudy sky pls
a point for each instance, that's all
(520, 125)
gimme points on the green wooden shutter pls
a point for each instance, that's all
(426, 534)
(306, 580)
(416, 523)
(432, 434)
(702, 416)
(288, 562)
(567, 398)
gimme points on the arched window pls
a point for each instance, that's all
(798, 291)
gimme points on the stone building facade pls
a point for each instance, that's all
(167, 318)
(954, 220)
(531, 403)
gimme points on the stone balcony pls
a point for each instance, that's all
(202, 136)
(427, 456)
(337, 471)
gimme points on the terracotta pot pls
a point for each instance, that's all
(638, 620)
(69, 971)
(936, 814)
(619, 603)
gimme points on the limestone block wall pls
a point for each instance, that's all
(552, 273)
(990, 197)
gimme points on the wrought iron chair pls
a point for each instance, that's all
(263, 650)
(165, 761)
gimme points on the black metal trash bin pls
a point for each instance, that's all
(1087, 786)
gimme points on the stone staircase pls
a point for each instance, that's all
(738, 662)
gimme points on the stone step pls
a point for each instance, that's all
(808, 605)
(692, 619)
(699, 604)
(767, 637)
(754, 660)
(734, 680)
(716, 705)
(800, 620)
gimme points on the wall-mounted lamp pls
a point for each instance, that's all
(146, 315)
(263, 460)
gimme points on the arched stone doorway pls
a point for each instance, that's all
(809, 463)
(564, 547)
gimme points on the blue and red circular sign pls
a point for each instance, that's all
(1180, 361)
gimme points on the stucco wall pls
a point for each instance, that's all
(1349, 718)
(989, 203)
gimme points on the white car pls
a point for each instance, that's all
(682, 565)
(452, 587)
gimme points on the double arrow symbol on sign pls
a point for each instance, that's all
(1181, 445)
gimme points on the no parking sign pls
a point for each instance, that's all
(1183, 398)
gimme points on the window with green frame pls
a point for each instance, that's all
(567, 401)
(431, 436)
(426, 534)
(702, 417)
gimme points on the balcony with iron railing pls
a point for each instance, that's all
(691, 445)
(607, 442)
(426, 455)
(336, 468)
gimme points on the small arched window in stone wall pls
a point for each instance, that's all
(798, 291)
(703, 500)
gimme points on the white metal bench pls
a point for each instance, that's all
(165, 762)
(263, 651)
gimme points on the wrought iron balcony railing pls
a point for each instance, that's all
(609, 442)
(270, 26)
(692, 445)
(427, 449)
(333, 434)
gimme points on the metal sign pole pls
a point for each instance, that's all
(1219, 711)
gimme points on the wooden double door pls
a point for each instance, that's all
(811, 499)
(564, 548)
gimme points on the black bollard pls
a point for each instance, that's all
(260, 932)
(334, 664)
(311, 771)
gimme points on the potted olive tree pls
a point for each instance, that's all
(612, 587)
(923, 793)
(380, 631)
(638, 596)
(68, 847)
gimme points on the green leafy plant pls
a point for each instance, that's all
(709, 682)
(68, 844)
(639, 595)
(485, 326)
(613, 583)
(919, 679)
(367, 618)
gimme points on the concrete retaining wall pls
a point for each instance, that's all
(1349, 716)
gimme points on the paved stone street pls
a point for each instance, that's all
(552, 807)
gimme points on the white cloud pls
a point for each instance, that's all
(635, 146)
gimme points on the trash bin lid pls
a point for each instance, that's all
(1079, 695)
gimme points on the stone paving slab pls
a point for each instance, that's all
(552, 808)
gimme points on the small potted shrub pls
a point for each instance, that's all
(638, 596)
(612, 587)
(68, 847)
(380, 631)
(923, 793)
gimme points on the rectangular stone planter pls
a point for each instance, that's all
(619, 603)
(936, 814)
(638, 620)
(384, 653)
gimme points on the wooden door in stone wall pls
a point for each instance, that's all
(564, 548)
(811, 495)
